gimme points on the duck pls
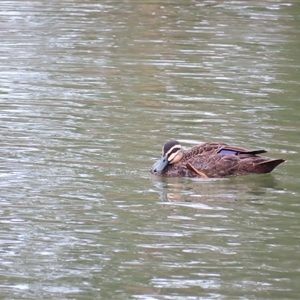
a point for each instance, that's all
(211, 160)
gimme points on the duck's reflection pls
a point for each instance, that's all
(214, 190)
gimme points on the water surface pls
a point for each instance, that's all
(89, 92)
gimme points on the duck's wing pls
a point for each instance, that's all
(213, 165)
(233, 150)
(221, 148)
(231, 165)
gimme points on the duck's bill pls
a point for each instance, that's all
(161, 164)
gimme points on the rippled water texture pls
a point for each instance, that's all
(89, 92)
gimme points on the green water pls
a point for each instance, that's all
(89, 92)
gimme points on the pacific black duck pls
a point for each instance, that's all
(211, 160)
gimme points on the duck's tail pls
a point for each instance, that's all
(269, 165)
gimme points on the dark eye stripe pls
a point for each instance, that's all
(173, 151)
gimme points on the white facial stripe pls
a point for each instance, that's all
(173, 153)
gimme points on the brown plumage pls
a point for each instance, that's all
(211, 160)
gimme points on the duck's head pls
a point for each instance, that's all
(172, 153)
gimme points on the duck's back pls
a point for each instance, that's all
(206, 149)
